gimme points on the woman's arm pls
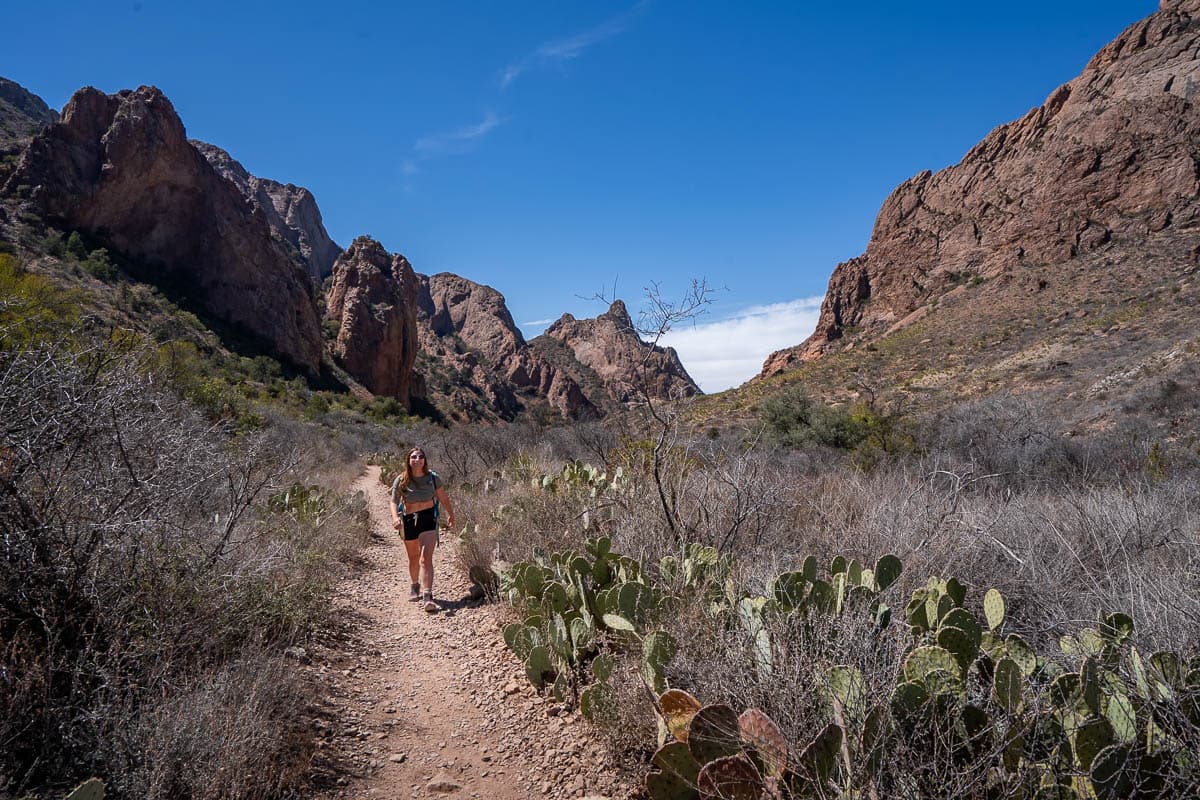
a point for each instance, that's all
(444, 499)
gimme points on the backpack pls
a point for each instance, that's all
(437, 507)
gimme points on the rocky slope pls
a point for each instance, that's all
(1055, 263)
(1107, 164)
(22, 115)
(476, 358)
(120, 169)
(372, 300)
(608, 350)
(291, 211)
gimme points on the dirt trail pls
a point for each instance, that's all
(434, 705)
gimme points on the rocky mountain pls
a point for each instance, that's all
(475, 358)
(22, 115)
(1108, 165)
(606, 353)
(372, 300)
(291, 211)
(1055, 262)
(119, 168)
(251, 252)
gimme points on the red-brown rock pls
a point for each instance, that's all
(291, 211)
(610, 349)
(1110, 160)
(466, 329)
(120, 168)
(373, 298)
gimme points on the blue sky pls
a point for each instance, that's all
(555, 150)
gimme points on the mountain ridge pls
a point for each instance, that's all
(1092, 166)
(120, 170)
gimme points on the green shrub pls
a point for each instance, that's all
(75, 246)
(98, 264)
(31, 307)
(794, 420)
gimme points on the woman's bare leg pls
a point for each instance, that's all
(413, 548)
(428, 543)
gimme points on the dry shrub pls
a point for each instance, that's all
(627, 725)
(143, 565)
(1066, 527)
(231, 734)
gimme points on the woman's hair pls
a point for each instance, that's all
(406, 476)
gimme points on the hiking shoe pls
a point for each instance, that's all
(430, 606)
(414, 592)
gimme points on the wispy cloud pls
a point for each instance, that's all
(728, 352)
(560, 51)
(460, 140)
(455, 142)
(537, 323)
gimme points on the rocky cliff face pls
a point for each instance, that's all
(467, 331)
(120, 168)
(1108, 163)
(291, 211)
(373, 300)
(22, 115)
(608, 347)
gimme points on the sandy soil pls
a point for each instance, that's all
(434, 705)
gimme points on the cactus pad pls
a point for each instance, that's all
(908, 699)
(665, 786)
(788, 589)
(873, 739)
(926, 659)
(993, 609)
(758, 732)
(966, 622)
(521, 639)
(538, 666)
(817, 762)
(959, 644)
(713, 733)
(1113, 772)
(675, 761)
(730, 778)
(618, 623)
(658, 649)
(1090, 738)
(1122, 716)
(1020, 651)
(809, 568)
(887, 571)
(1007, 685)
(678, 708)
(1116, 628)
(848, 688)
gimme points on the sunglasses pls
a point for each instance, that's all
(416, 456)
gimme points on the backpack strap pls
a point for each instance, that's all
(437, 507)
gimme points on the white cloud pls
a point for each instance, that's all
(457, 141)
(560, 51)
(728, 352)
(537, 323)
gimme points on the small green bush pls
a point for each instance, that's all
(794, 420)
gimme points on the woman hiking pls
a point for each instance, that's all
(416, 495)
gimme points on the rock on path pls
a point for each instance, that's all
(426, 705)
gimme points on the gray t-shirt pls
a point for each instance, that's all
(421, 489)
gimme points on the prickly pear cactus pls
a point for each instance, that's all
(678, 708)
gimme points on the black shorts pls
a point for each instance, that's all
(417, 523)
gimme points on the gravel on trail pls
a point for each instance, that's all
(421, 705)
